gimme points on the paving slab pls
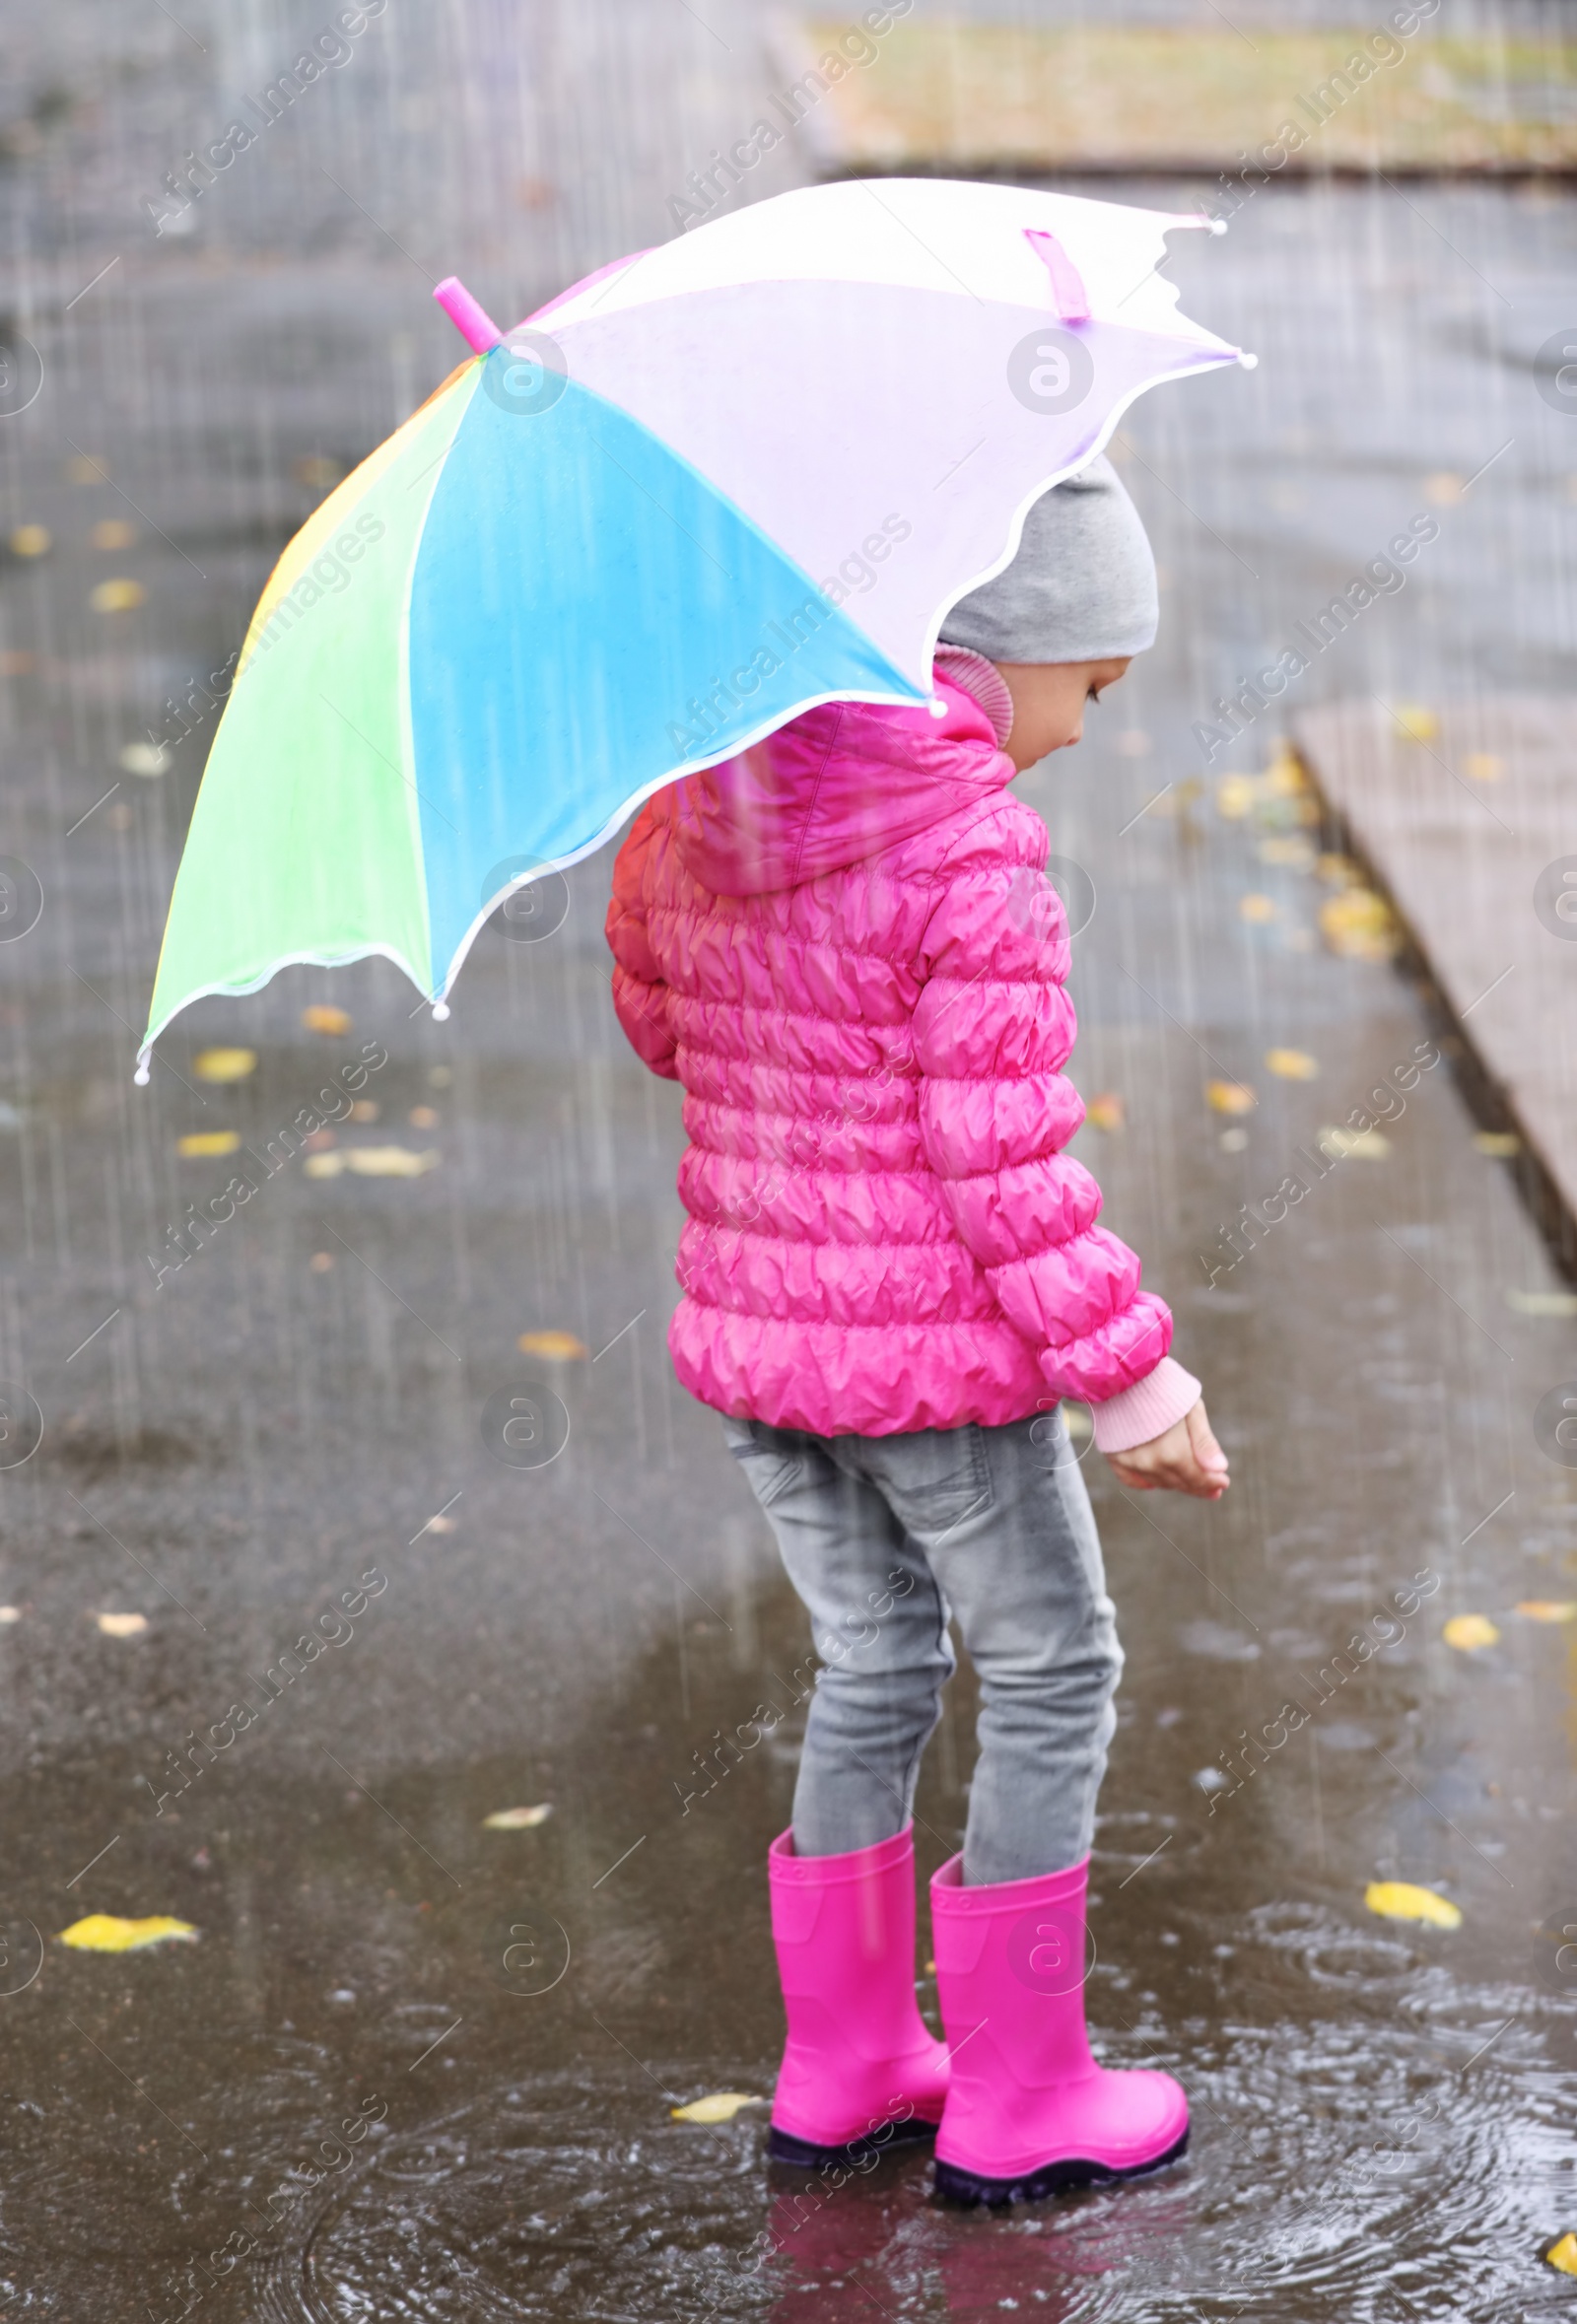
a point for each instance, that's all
(1467, 816)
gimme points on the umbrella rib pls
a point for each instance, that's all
(389, 761)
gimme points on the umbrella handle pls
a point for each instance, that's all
(1072, 300)
(470, 317)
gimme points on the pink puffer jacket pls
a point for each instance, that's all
(843, 944)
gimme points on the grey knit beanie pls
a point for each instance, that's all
(1081, 588)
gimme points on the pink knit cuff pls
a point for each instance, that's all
(982, 679)
(1148, 1409)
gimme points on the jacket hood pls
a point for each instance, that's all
(838, 784)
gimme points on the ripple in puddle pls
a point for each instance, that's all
(531, 2205)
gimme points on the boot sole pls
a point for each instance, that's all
(967, 2189)
(784, 2147)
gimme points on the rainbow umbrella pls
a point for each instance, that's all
(709, 487)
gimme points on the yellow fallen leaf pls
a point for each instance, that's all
(1256, 909)
(10, 1613)
(1285, 777)
(148, 759)
(1561, 2255)
(82, 468)
(1235, 796)
(1414, 722)
(716, 2107)
(1499, 1144)
(1543, 1303)
(1358, 924)
(1292, 1064)
(438, 1525)
(107, 1932)
(116, 596)
(317, 472)
(121, 1625)
(559, 1347)
(198, 1144)
(1484, 766)
(1230, 1096)
(364, 1110)
(322, 1017)
(1547, 1610)
(224, 1064)
(113, 532)
(387, 1161)
(1444, 489)
(422, 1118)
(1337, 871)
(1400, 1900)
(32, 540)
(1106, 1111)
(1468, 1632)
(1358, 1145)
(323, 1165)
(517, 1819)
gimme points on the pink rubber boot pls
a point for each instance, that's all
(1029, 2111)
(860, 2070)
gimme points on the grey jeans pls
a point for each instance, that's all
(883, 1537)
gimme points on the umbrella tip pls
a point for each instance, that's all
(440, 1010)
(142, 1074)
(1249, 363)
(470, 317)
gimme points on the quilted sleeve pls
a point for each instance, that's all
(994, 1028)
(640, 994)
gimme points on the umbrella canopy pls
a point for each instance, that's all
(713, 485)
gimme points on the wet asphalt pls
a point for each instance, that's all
(473, 2037)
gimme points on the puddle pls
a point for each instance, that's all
(416, 2067)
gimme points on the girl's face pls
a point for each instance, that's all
(1049, 699)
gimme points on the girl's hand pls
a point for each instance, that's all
(1185, 1460)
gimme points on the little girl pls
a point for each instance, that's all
(843, 944)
